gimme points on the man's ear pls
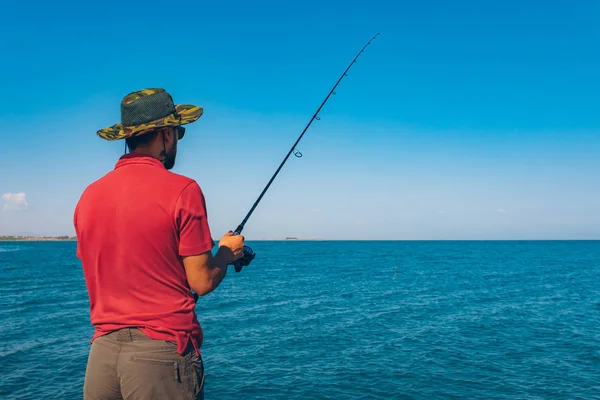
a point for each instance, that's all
(169, 134)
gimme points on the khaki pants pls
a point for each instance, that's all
(128, 365)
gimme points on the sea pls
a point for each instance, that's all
(341, 320)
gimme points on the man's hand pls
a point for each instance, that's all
(232, 247)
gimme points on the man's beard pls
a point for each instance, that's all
(169, 161)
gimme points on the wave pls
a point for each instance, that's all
(10, 248)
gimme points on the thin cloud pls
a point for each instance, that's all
(15, 201)
(501, 211)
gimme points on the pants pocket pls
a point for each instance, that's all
(193, 378)
(148, 361)
(198, 367)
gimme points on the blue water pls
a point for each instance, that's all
(341, 320)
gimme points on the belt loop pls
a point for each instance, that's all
(124, 335)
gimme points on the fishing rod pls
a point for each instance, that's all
(249, 254)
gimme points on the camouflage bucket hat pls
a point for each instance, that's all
(145, 110)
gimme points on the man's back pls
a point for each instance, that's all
(145, 244)
(133, 226)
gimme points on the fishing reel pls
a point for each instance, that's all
(246, 259)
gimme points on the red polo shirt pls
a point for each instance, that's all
(133, 227)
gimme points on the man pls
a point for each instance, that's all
(145, 244)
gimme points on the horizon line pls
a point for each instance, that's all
(20, 238)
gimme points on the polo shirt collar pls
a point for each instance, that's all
(138, 158)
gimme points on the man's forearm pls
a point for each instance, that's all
(219, 269)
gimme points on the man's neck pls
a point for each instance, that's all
(143, 152)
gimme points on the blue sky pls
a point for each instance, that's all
(463, 120)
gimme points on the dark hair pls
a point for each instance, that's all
(141, 140)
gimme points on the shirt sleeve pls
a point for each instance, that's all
(192, 222)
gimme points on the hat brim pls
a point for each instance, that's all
(187, 114)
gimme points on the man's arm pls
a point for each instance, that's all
(205, 271)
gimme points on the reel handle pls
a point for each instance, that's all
(248, 256)
(246, 259)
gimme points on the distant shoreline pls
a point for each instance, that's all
(423, 240)
(36, 239)
(3, 240)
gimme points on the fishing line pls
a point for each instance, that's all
(248, 252)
